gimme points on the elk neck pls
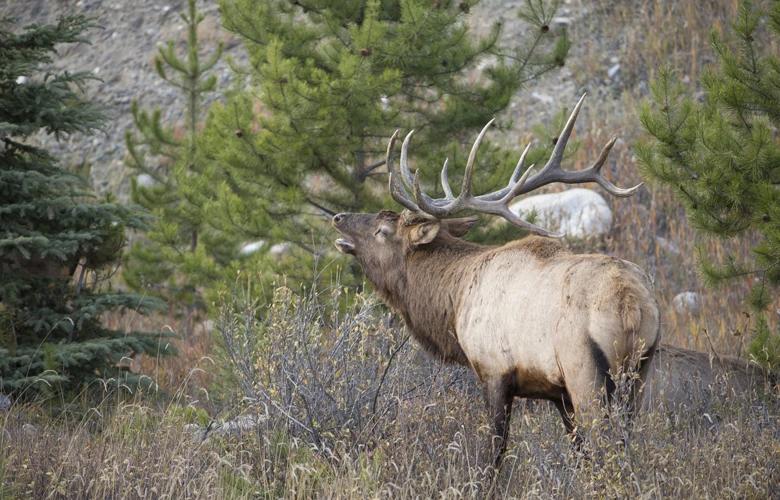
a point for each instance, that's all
(430, 293)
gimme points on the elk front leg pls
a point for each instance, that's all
(500, 401)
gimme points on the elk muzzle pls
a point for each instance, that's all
(344, 245)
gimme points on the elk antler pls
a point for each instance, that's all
(497, 202)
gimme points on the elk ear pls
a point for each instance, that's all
(461, 226)
(423, 233)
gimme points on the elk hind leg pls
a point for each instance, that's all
(588, 379)
(500, 399)
(566, 410)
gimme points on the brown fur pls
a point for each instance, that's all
(428, 305)
(628, 307)
(539, 247)
(530, 383)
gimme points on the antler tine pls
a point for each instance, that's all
(517, 187)
(428, 204)
(465, 190)
(445, 180)
(554, 163)
(397, 190)
(519, 167)
(431, 206)
(524, 224)
(407, 173)
(513, 181)
(595, 173)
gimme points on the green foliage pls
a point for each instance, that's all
(170, 261)
(721, 155)
(57, 242)
(328, 82)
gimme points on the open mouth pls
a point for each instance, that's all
(345, 246)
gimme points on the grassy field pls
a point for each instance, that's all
(330, 404)
(343, 404)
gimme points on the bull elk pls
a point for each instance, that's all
(531, 319)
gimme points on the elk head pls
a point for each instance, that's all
(382, 242)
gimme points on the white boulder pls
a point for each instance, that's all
(576, 213)
(251, 247)
(279, 250)
(145, 180)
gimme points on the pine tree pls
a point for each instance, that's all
(58, 244)
(170, 261)
(722, 157)
(329, 82)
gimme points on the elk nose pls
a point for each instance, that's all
(338, 218)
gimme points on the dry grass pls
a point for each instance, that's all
(435, 450)
(426, 436)
(646, 34)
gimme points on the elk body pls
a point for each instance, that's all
(530, 318)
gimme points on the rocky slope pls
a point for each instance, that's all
(125, 42)
(121, 56)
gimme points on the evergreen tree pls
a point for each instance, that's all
(329, 83)
(722, 156)
(57, 243)
(170, 261)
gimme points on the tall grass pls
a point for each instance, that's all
(342, 406)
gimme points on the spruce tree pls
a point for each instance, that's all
(328, 83)
(58, 243)
(721, 155)
(169, 261)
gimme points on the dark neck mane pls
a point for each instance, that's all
(429, 293)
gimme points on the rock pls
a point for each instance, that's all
(543, 98)
(196, 431)
(251, 247)
(577, 213)
(687, 302)
(30, 430)
(686, 378)
(145, 180)
(236, 427)
(21, 80)
(5, 402)
(279, 250)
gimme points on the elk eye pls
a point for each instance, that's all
(381, 230)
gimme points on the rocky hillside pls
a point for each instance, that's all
(125, 42)
(121, 57)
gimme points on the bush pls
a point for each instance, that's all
(329, 364)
